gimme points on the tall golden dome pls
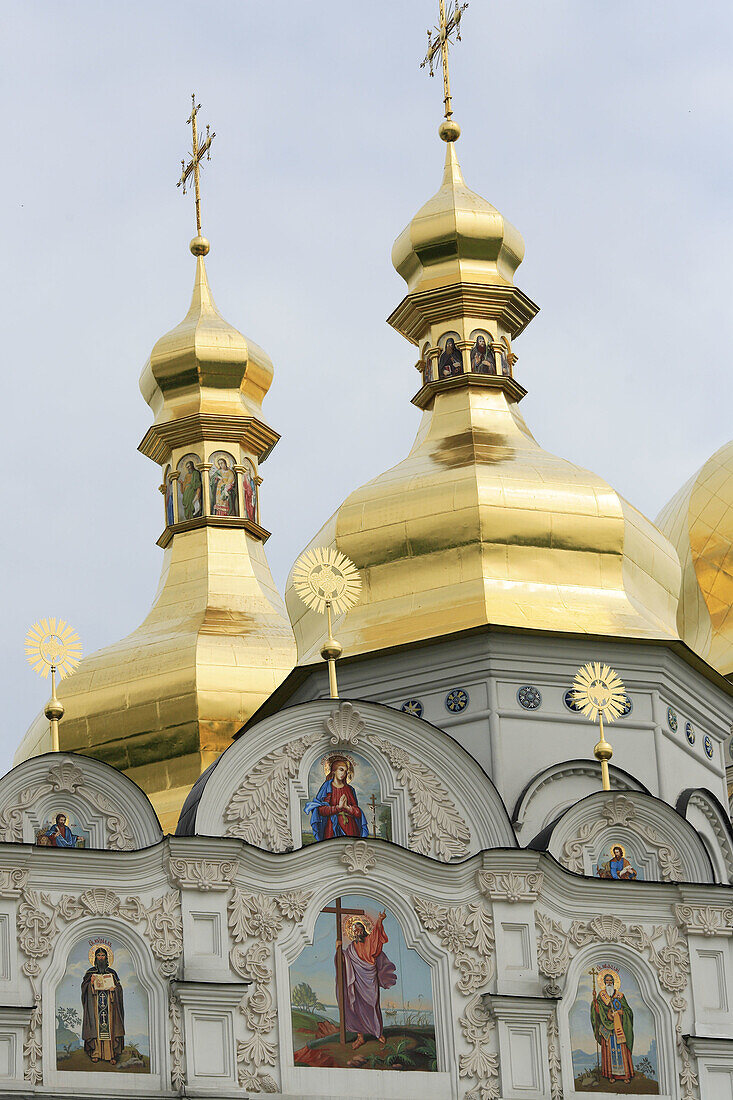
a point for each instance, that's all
(164, 702)
(698, 520)
(479, 525)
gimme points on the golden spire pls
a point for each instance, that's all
(438, 55)
(326, 580)
(199, 245)
(599, 693)
(54, 647)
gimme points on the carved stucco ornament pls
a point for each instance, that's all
(438, 829)
(663, 945)
(345, 725)
(467, 933)
(620, 810)
(255, 921)
(511, 886)
(259, 810)
(203, 874)
(357, 857)
(67, 778)
(38, 923)
(706, 920)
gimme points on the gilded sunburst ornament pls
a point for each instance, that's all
(599, 692)
(324, 578)
(52, 644)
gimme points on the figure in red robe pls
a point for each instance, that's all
(366, 970)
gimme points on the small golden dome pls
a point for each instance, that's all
(457, 237)
(205, 365)
(698, 520)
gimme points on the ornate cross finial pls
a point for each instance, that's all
(199, 151)
(438, 47)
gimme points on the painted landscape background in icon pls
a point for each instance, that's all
(382, 1018)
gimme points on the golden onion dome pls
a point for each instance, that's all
(205, 366)
(165, 701)
(457, 237)
(698, 520)
(479, 525)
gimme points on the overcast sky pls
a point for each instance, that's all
(601, 130)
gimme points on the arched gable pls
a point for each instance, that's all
(441, 803)
(102, 807)
(555, 789)
(707, 816)
(656, 842)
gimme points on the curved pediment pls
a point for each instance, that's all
(100, 807)
(334, 768)
(632, 836)
(708, 817)
(557, 788)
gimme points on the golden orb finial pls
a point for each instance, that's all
(199, 246)
(326, 579)
(599, 693)
(51, 645)
(449, 130)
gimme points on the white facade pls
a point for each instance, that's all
(498, 827)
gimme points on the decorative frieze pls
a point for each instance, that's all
(203, 874)
(706, 920)
(511, 886)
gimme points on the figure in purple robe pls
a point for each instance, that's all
(366, 970)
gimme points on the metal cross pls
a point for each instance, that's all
(199, 151)
(438, 47)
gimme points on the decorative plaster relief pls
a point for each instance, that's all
(511, 886)
(467, 933)
(357, 857)
(37, 924)
(437, 827)
(255, 920)
(61, 778)
(258, 811)
(620, 811)
(203, 874)
(345, 725)
(706, 920)
(663, 945)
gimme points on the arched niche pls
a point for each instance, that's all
(443, 804)
(667, 848)
(100, 803)
(555, 789)
(602, 955)
(712, 823)
(381, 893)
(80, 934)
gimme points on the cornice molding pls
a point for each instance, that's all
(506, 304)
(160, 439)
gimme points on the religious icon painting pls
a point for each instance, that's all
(450, 360)
(101, 1011)
(224, 495)
(482, 355)
(344, 799)
(168, 489)
(369, 1005)
(249, 484)
(618, 863)
(63, 831)
(612, 1034)
(190, 488)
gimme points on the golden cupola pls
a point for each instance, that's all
(698, 520)
(164, 702)
(479, 525)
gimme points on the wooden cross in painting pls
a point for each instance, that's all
(373, 806)
(341, 912)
